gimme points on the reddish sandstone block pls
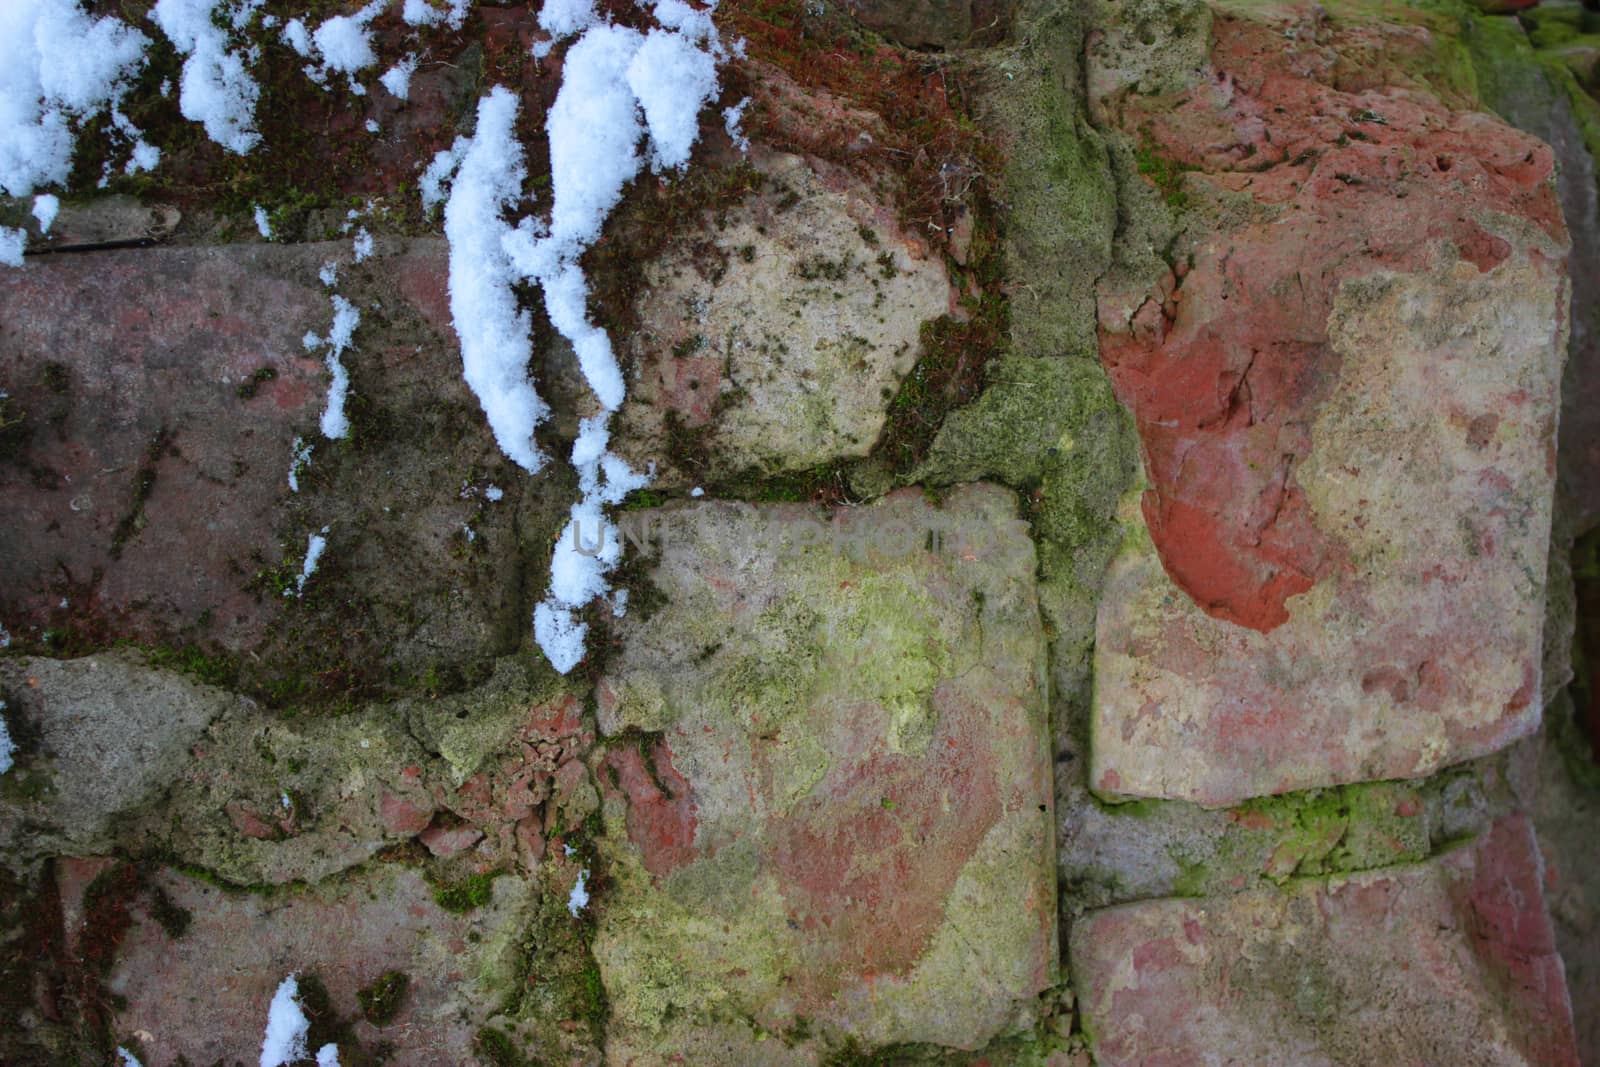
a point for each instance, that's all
(1451, 961)
(1347, 403)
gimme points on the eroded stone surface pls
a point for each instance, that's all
(203, 997)
(934, 23)
(1453, 961)
(163, 391)
(1346, 396)
(774, 340)
(843, 818)
(98, 737)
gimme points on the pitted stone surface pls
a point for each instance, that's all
(203, 997)
(1347, 399)
(162, 392)
(775, 340)
(1452, 961)
(844, 815)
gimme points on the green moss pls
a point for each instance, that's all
(144, 482)
(955, 353)
(641, 499)
(1328, 831)
(824, 485)
(380, 1002)
(247, 389)
(170, 916)
(1062, 202)
(1166, 174)
(55, 377)
(1054, 429)
(14, 430)
(1551, 26)
(212, 668)
(494, 1047)
(468, 894)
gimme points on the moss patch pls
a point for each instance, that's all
(380, 1002)
(466, 894)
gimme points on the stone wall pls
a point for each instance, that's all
(1113, 586)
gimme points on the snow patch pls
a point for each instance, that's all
(346, 318)
(299, 460)
(732, 119)
(216, 88)
(57, 67)
(495, 335)
(564, 18)
(314, 549)
(328, 1056)
(263, 224)
(578, 899)
(620, 90)
(344, 44)
(11, 245)
(424, 13)
(363, 244)
(8, 747)
(673, 80)
(45, 207)
(397, 79)
(287, 1027)
(296, 36)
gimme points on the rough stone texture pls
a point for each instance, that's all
(1061, 197)
(204, 996)
(98, 737)
(1558, 780)
(268, 800)
(108, 220)
(1449, 962)
(934, 23)
(1052, 428)
(1346, 396)
(843, 817)
(805, 778)
(775, 340)
(1542, 98)
(152, 493)
(188, 327)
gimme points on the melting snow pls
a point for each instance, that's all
(57, 66)
(299, 460)
(494, 333)
(8, 747)
(620, 88)
(216, 89)
(397, 79)
(423, 13)
(45, 207)
(287, 1027)
(345, 320)
(732, 117)
(314, 548)
(11, 245)
(579, 898)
